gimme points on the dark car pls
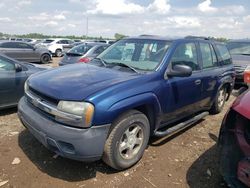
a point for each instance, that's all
(83, 53)
(13, 75)
(240, 52)
(138, 87)
(234, 143)
(25, 52)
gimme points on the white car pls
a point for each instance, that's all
(57, 46)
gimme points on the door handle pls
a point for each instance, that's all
(197, 82)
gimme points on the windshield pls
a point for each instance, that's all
(48, 41)
(80, 49)
(141, 54)
(239, 48)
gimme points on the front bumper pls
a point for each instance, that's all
(78, 144)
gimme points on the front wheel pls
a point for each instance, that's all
(219, 101)
(58, 53)
(127, 140)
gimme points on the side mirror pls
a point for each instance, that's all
(18, 67)
(180, 71)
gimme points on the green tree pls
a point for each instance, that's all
(119, 36)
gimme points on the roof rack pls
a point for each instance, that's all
(197, 37)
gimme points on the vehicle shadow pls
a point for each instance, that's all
(204, 172)
(59, 167)
(8, 111)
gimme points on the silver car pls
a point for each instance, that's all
(25, 52)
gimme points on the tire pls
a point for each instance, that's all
(219, 101)
(45, 58)
(58, 53)
(127, 140)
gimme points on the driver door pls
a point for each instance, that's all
(183, 94)
(11, 83)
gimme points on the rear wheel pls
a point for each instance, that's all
(45, 58)
(127, 140)
(219, 101)
(58, 53)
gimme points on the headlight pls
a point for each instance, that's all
(82, 109)
(26, 87)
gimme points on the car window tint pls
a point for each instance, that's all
(9, 45)
(206, 54)
(99, 50)
(5, 65)
(224, 54)
(186, 54)
(239, 48)
(23, 45)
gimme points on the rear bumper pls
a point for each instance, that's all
(73, 143)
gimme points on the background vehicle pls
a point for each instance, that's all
(234, 143)
(83, 53)
(13, 74)
(57, 46)
(25, 52)
(136, 88)
(240, 52)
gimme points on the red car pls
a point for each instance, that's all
(234, 142)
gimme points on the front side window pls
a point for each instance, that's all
(141, 54)
(206, 54)
(186, 54)
(6, 65)
(23, 45)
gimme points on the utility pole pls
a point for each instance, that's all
(87, 26)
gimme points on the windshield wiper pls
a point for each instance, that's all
(101, 60)
(125, 65)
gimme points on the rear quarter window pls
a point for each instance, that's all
(225, 58)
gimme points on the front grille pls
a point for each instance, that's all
(43, 96)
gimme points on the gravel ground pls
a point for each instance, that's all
(186, 159)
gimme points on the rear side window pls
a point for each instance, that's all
(186, 54)
(224, 54)
(9, 45)
(206, 54)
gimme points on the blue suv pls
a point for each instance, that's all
(138, 87)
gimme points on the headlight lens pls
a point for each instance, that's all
(83, 109)
(26, 86)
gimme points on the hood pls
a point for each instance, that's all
(241, 104)
(76, 82)
(242, 60)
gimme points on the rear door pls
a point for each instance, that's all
(211, 72)
(183, 95)
(10, 49)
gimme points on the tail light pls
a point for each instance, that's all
(84, 60)
(247, 75)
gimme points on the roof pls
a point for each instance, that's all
(157, 37)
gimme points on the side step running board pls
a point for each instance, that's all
(181, 125)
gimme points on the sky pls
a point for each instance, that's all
(218, 18)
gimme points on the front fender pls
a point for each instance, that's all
(121, 106)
